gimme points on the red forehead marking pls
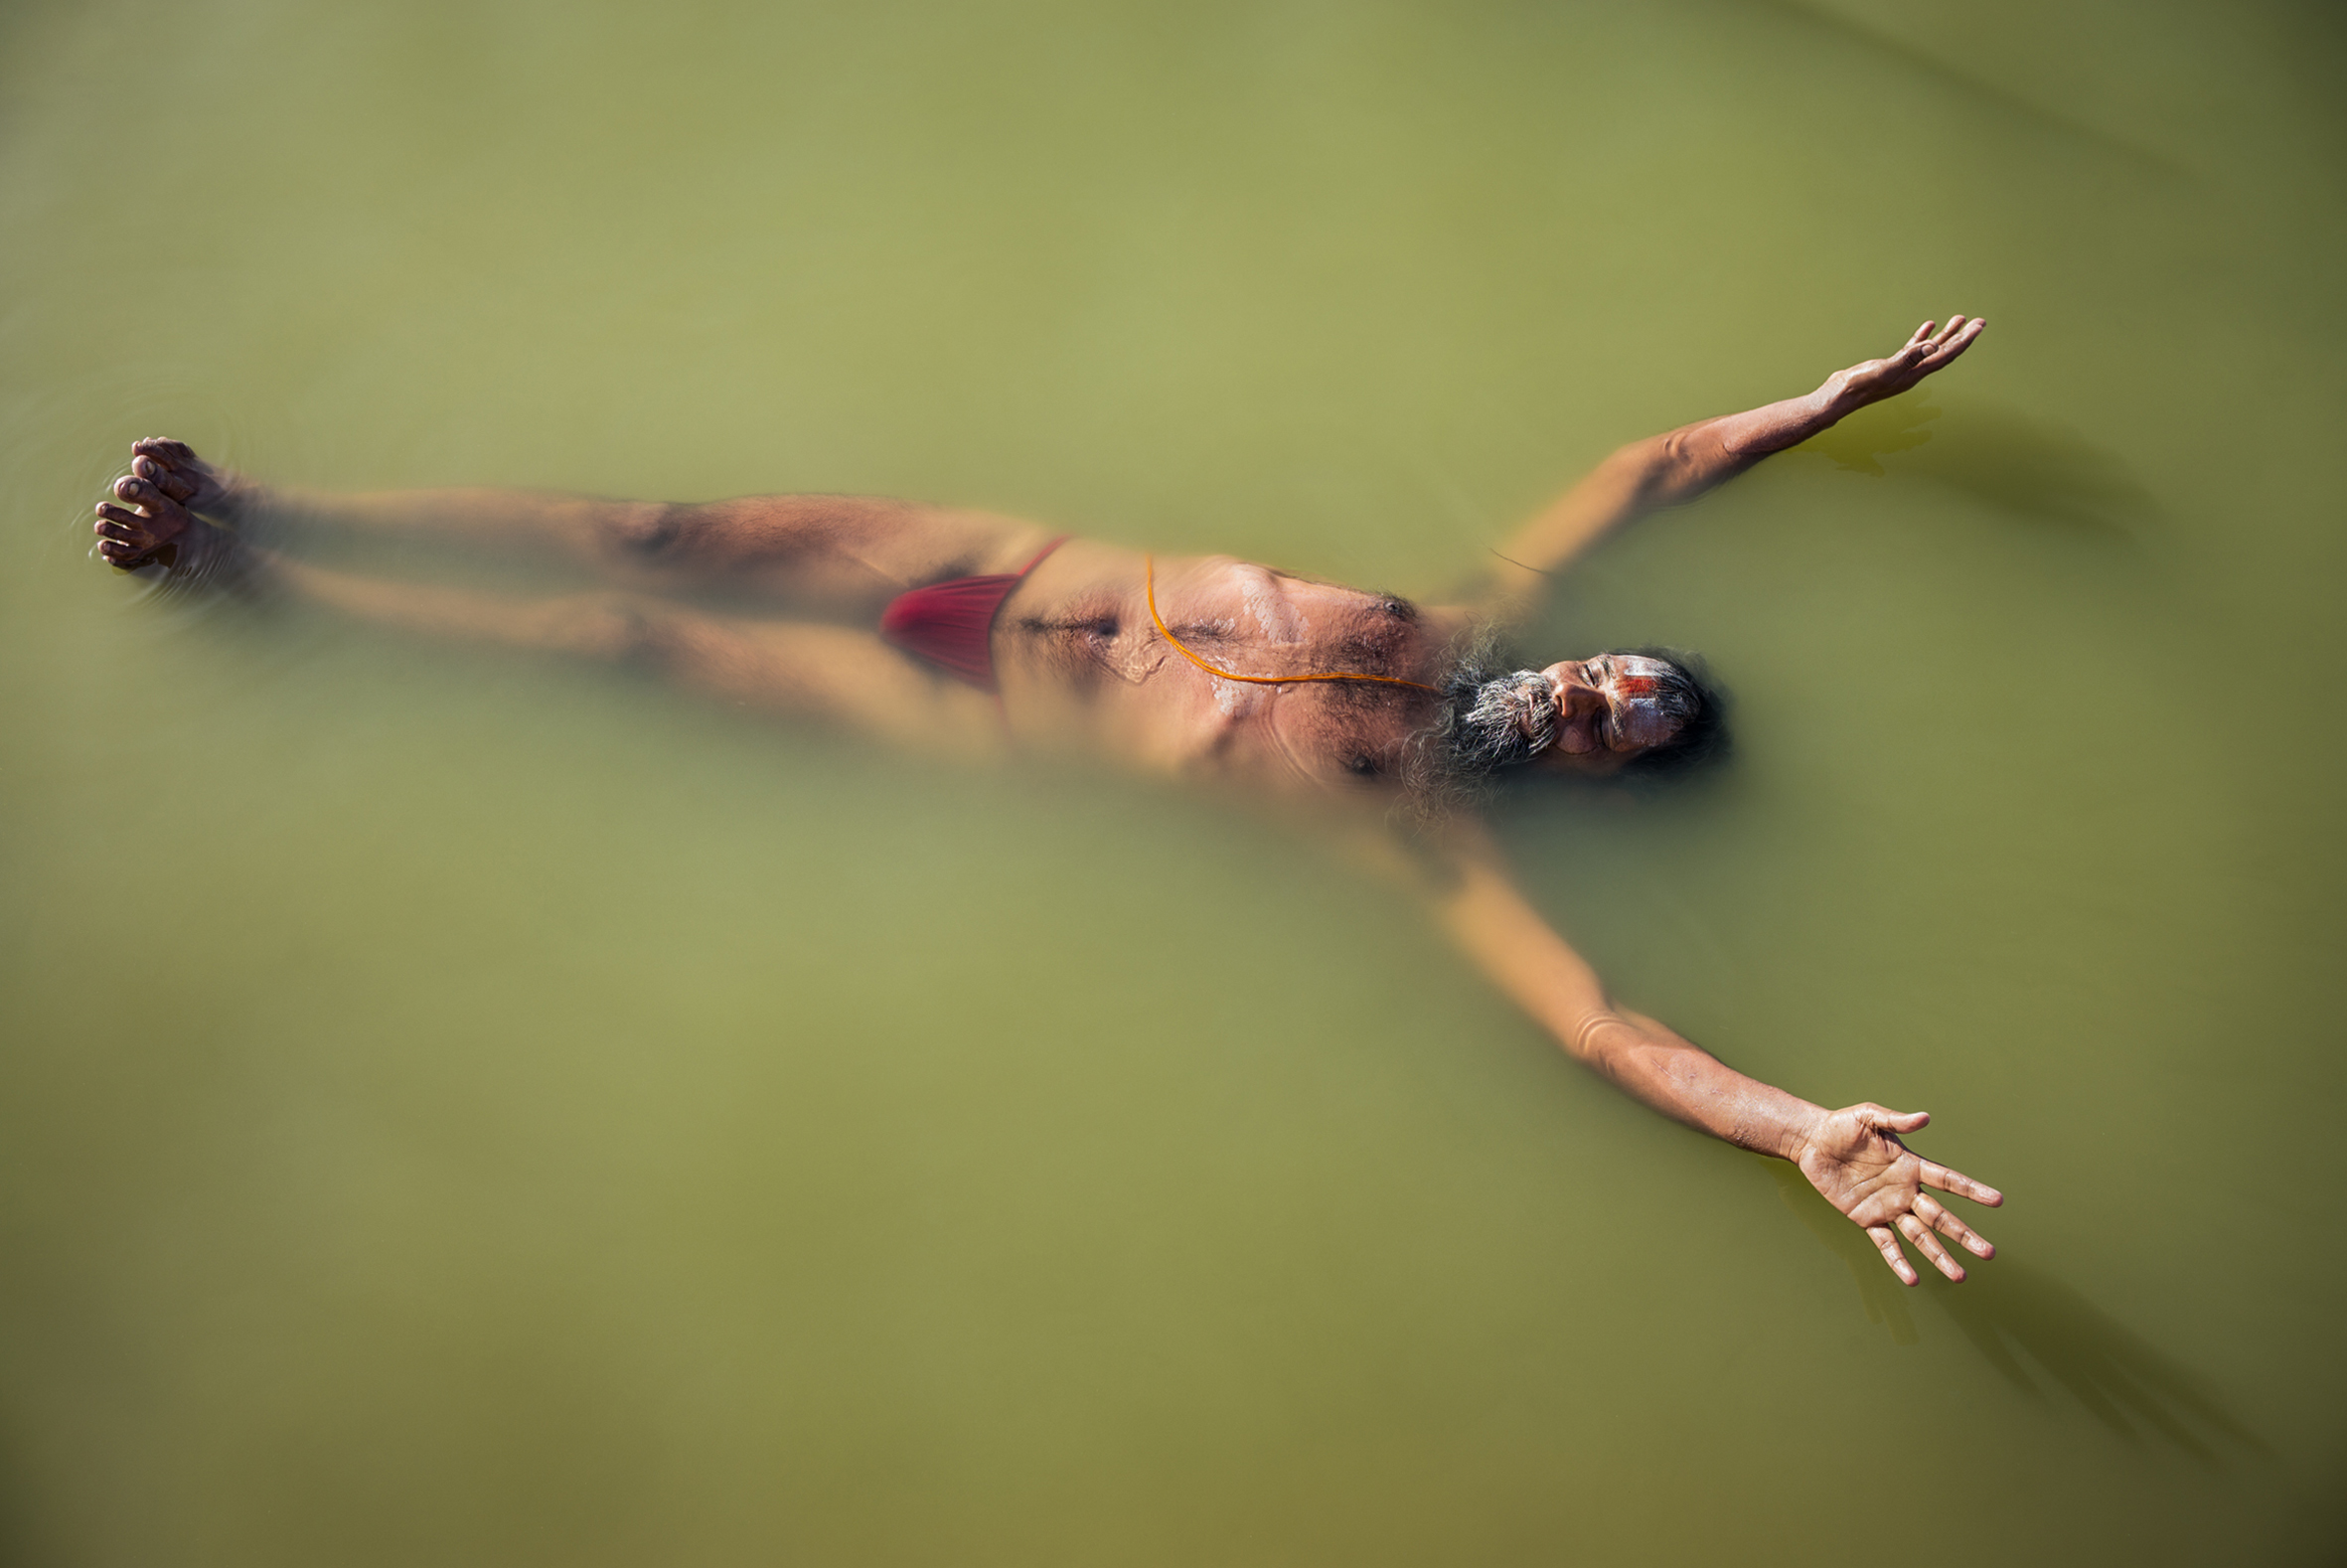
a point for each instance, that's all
(1637, 685)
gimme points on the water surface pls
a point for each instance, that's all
(460, 1108)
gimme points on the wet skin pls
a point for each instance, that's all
(1081, 664)
(1146, 702)
(1605, 713)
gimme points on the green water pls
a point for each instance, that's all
(456, 1108)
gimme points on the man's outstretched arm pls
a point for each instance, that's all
(1852, 1156)
(1675, 467)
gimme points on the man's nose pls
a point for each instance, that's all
(1579, 698)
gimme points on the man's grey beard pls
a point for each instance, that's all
(1487, 722)
(1513, 719)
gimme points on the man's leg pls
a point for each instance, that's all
(844, 556)
(851, 678)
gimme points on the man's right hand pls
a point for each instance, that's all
(1928, 351)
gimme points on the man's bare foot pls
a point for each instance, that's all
(154, 527)
(174, 468)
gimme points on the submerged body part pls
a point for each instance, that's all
(966, 633)
(951, 624)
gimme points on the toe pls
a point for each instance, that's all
(122, 533)
(164, 448)
(177, 486)
(141, 493)
(156, 520)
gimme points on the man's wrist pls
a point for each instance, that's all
(1800, 1131)
(1838, 397)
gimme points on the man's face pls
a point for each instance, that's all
(1607, 711)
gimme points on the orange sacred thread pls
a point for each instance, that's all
(1148, 568)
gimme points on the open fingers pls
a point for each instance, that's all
(1919, 1236)
(1937, 1215)
(1888, 1245)
(1962, 1185)
(1953, 342)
